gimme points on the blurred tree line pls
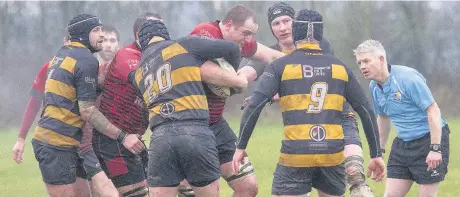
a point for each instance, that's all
(417, 34)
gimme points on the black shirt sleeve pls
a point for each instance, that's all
(266, 88)
(86, 73)
(209, 49)
(358, 101)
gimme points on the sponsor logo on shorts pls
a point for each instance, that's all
(167, 108)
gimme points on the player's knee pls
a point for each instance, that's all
(141, 191)
(245, 188)
(354, 170)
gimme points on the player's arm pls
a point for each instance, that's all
(420, 93)
(263, 54)
(209, 49)
(214, 74)
(267, 87)
(354, 94)
(37, 94)
(383, 122)
(266, 54)
(348, 120)
(33, 106)
(86, 82)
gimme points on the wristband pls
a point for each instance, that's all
(121, 136)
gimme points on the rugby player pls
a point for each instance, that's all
(70, 92)
(240, 26)
(170, 77)
(280, 16)
(37, 94)
(110, 46)
(122, 107)
(420, 152)
(313, 87)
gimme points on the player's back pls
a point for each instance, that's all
(311, 97)
(169, 80)
(60, 123)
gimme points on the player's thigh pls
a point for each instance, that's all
(330, 180)
(225, 141)
(198, 156)
(82, 188)
(103, 186)
(123, 167)
(292, 181)
(397, 187)
(58, 167)
(209, 190)
(429, 190)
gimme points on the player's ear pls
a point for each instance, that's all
(381, 58)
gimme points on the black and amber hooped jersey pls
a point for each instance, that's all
(169, 79)
(72, 76)
(311, 87)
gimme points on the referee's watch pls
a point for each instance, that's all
(435, 148)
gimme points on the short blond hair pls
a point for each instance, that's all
(372, 46)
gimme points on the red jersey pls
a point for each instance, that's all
(216, 104)
(119, 101)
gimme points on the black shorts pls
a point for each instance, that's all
(299, 181)
(61, 167)
(225, 140)
(121, 166)
(408, 159)
(182, 150)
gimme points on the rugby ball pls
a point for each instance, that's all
(221, 91)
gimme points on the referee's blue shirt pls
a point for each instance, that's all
(404, 97)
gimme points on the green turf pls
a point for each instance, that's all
(18, 180)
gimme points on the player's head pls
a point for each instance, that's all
(240, 24)
(307, 27)
(141, 19)
(152, 31)
(87, 30)
(371, 58)
(280, 16)
(111, 43)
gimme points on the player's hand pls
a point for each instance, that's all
(237, 160)
(18, 149)
(433, 159)
(133, 143)
(245, 102)
(376, 169)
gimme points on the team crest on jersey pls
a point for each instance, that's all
(317, 133)
(397, 96)
(167, 108)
